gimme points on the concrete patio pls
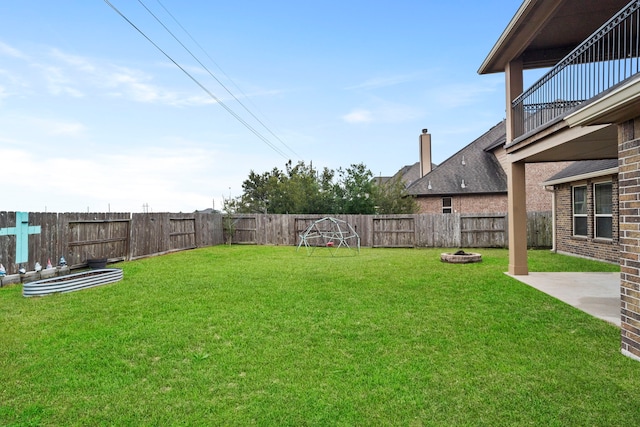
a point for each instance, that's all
(595, 293)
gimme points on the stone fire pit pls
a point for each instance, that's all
(460, 257)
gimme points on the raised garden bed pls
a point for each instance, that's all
(72, 282)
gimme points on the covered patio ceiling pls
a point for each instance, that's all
(568, 144)
(542, 32)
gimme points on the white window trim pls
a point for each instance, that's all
(450, 207)
(574, 215)
(596, 215)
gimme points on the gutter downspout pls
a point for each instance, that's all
(552, 190)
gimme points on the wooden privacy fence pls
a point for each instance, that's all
(419, 230)
(116, 236)
(122, 236)
(539, 230)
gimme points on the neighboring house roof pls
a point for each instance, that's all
(472, 170)
(409, 174)
(379, 180)
(584, 169)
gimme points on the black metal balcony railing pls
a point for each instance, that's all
(608, 57)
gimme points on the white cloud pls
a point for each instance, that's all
(61, 74)
(12, 161)
(77, 62)
(13, 83)
(59, 83)
(125, 180)
(379, 82)
(67, 129)
(31, 128)
(7, 50)
(9, 141)
(384, 112)
(358, 116)
(136, 86)
(66, 75)
(458, 95)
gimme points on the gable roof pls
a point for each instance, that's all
(408, 174)
(584, 169)
(475, 165)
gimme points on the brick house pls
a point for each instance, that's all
(474, 179)
(586, 218)
(586, 107)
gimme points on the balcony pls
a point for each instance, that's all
(604, 61)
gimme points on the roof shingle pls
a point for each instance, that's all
(583, 167)
(472, 170)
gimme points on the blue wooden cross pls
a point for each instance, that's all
(21, 231)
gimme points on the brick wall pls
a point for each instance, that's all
(466, 204)
(538, 199)
(629, 179)
(429, 204)
(603, 249)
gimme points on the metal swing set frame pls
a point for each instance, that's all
(331, 233)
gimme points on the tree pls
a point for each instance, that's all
(304, 190)
(356, 189)
(327, 201)
(255, 197)
(230, 206)
(391, 198)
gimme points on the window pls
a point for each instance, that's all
(602, 203)
(580, 210)
(446, 205)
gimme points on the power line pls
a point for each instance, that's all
(219, 68)
(207, 91)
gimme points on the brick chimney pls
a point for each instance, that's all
(425, 152)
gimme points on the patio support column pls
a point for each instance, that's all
(514, 82)
(517, 195)
(517, 201)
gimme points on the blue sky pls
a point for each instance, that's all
(94, 117)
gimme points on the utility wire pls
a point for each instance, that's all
(219, 68)
(219, 101)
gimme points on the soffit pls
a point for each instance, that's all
(542, 32)
(566, 144)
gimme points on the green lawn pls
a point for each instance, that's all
(247, 335)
